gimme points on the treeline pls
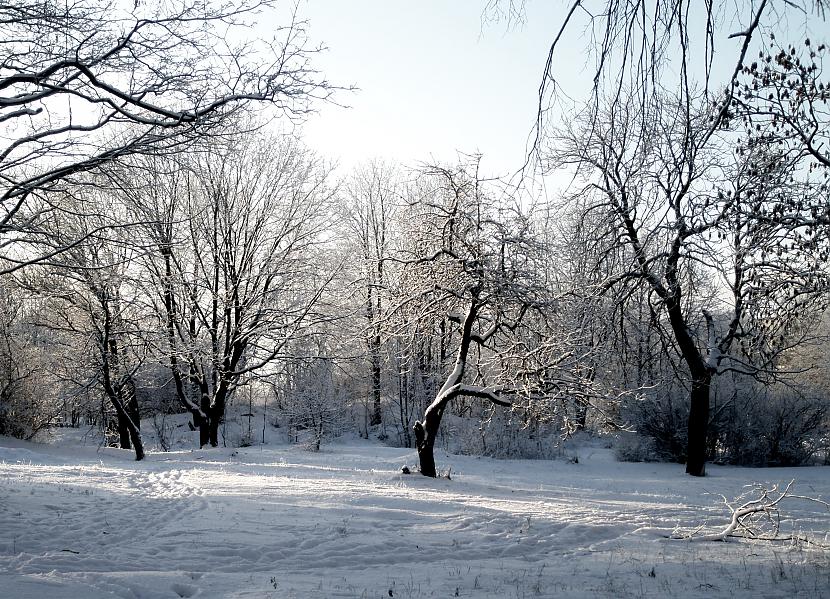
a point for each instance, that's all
(160, 253)
(242, 282)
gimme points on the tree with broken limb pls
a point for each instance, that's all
(473, 262)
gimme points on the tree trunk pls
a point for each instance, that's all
(215, 420)
(138, 444)
(123, 433)
(133, 431)
(217, 413)
(205, 424)
(425, 434)
(132, 415)
(426, 431)
(376, 407)
(698, 425)
(701, 381)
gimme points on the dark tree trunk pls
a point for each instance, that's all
(373, 346)
(215, 420)
(376, 408)
(698, 425)
(427, 431)
(130, 402)
(138, 444)
(122, 396)
(205, 424)
(701, 374)
(425, 434)
(123, 433)
(217, 412)
(133, 432)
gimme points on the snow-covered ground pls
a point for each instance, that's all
(280, 521)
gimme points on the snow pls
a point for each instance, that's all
(279, 521)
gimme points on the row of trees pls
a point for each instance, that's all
(158, 237)
(400, 296)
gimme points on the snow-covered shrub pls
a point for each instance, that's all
(750, 425)
(660, 418)
(631, 447)
(27, 403)
(505, 433)
(315, 404)
(776, 428)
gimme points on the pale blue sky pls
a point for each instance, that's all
(433, 79)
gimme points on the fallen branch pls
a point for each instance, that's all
(758, 518)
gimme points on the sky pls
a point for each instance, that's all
(433, 79)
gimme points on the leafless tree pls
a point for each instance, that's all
(646, 45)
(93, 297)
(232, 254)
(686, 213)
(86, 83)
(372, 195)
(473, 261)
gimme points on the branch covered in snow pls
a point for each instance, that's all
(758, 517)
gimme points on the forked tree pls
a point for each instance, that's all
(233, 237)
(94, 304)
(474, 261)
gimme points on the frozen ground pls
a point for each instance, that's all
(279, 521)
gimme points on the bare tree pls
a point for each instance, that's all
(233, 262)
(93, 298)
(644, 45)
(686, 213)
(473, 261)
(372, 195)
(87, 82)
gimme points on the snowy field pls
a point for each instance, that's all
(280, 521)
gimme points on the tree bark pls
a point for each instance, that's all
(376, 405)
(699, 370)
(426, 431)
(216, 414)
(131, 415)
(206, 424)
(132, 427)
(698, 425)
(123, 433)
(425, 442)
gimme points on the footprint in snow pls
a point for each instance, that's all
(184, 590)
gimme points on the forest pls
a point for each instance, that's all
(168, 246)
(233, 365)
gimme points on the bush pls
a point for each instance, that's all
(636, 448)
(661, 421)
(25, 408)
(773, 429)
(756, 426)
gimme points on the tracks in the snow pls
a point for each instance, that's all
(93, 519)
